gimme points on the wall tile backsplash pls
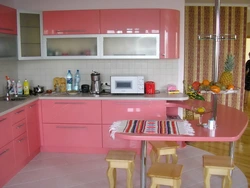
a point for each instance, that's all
(42, 72)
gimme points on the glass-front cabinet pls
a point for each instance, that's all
(29, 36)
(71, 47)
(130, 46)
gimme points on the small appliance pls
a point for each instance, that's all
(127, 84)
(149, 87)
(95, 83)
(85, 88)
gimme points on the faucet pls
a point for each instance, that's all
(8, 88)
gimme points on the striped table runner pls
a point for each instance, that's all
(168, 127)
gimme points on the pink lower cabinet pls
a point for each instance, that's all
(71, 111)
(115, 110)
(72, 135)
(5, 130)
(19, 128)
(7, 162)
(32, 113)
(21, 149)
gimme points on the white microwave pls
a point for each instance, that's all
(127, 84)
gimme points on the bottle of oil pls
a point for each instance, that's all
(26, 87)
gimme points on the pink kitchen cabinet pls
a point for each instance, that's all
(33, 130)
(5, 130)
(115, 110)
(130, 21)
(8, 20)
(18, 115)
(169, 33)
(72, 135)
(71, 111)
(71, 22)
(7, 162)
(19, 128)
(21, 149)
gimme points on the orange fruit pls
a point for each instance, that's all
(215, 89)
(230, 86)
(205, 82)
(196, 85)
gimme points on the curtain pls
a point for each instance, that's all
(199, 54)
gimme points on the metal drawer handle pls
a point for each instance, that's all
(7, 29)
(126, 103)
(19, 112)
(71, 127)
(70, 103)
(5, 151)
(3, 120)
(31, 106)
(22, 139)
(19, 126)
(72, 30)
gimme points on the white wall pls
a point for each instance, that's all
(163, 72)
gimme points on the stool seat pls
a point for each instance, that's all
(165, 174)
(218, 165)
(163, 148)
(120, 159)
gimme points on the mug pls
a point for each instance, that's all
(85, 88)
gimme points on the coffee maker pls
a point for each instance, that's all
(95, 83)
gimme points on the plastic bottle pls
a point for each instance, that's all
(77, 80)
(19, 88)
(26, 87)
(13, 89)
(69, 81)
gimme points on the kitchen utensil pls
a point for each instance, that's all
(149, 87)
(38, 89)
(85, 88)
(95, 83)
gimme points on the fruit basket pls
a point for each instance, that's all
(227, 91)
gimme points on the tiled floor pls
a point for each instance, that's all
(61, 170)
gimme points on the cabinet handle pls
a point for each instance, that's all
(58, 31)
(3, 120)
(22, 139)
(19, 126)
(19, 112)
(71, 127)
(163, 55)
(5, 151)
(126, 103)
(70, 103)
(6, 29)
(31, 106)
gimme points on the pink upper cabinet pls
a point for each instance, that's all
(71, 22)
(169, 33)
(130, 21)
(8, 20)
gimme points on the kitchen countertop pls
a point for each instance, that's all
(8, 106)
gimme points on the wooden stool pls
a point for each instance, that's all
(166, 148)
(120, 159)
(165, 174)
(217, 165)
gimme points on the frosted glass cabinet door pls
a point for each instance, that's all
(132, 46)
(29, 35)
(76, 46)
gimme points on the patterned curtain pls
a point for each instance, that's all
(199, 54)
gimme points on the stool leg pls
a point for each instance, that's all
(111, 172)
(174, 158)
(152, 156)
(130, 175)
(227, 182)
(168, 158)
(206, 178)
(176, 183)
(153, 184)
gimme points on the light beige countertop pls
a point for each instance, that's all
(8, 106)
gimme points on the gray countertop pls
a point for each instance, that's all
(8, 106)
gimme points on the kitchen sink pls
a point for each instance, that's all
(14, 98)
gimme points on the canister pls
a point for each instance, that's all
(149, 87)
